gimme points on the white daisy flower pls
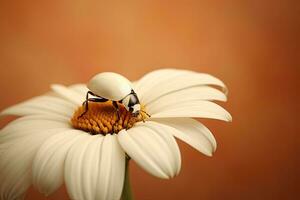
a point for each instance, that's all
(54, 144)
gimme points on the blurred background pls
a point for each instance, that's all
(253, 46)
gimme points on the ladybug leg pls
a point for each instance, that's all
(115, 104)
(87, 99)
(145, 114)
(85, 103)
(97, 100)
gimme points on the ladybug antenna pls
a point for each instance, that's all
(145, 113)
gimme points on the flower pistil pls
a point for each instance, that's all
(102, 118)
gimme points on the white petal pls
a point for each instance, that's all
(15, 165)
(153, 147)
(26, 126)
(32, 121)
(189, 94)
(80, 89)
(56, 118)
(90, 168)
(153, 79)
(161, 82)
(48, 164)
(202, 109)
(67, 94)
(73, 167)
(95, 168)
(42, 105)
(192, 132)
(112, 170)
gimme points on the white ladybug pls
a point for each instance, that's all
(115, 87)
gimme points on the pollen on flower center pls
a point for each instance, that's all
(102, 118)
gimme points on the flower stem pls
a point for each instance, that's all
(127, 193)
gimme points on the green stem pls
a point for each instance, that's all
(127, 193)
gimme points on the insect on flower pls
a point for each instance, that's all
(119, 90)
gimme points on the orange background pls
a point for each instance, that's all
(253, 46)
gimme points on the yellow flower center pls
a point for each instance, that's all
(102, 118)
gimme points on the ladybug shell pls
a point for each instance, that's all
(109, 85)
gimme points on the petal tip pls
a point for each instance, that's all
(55, 85)
(2, 113)
(177, 173)
(229, 118)
(210, 154)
